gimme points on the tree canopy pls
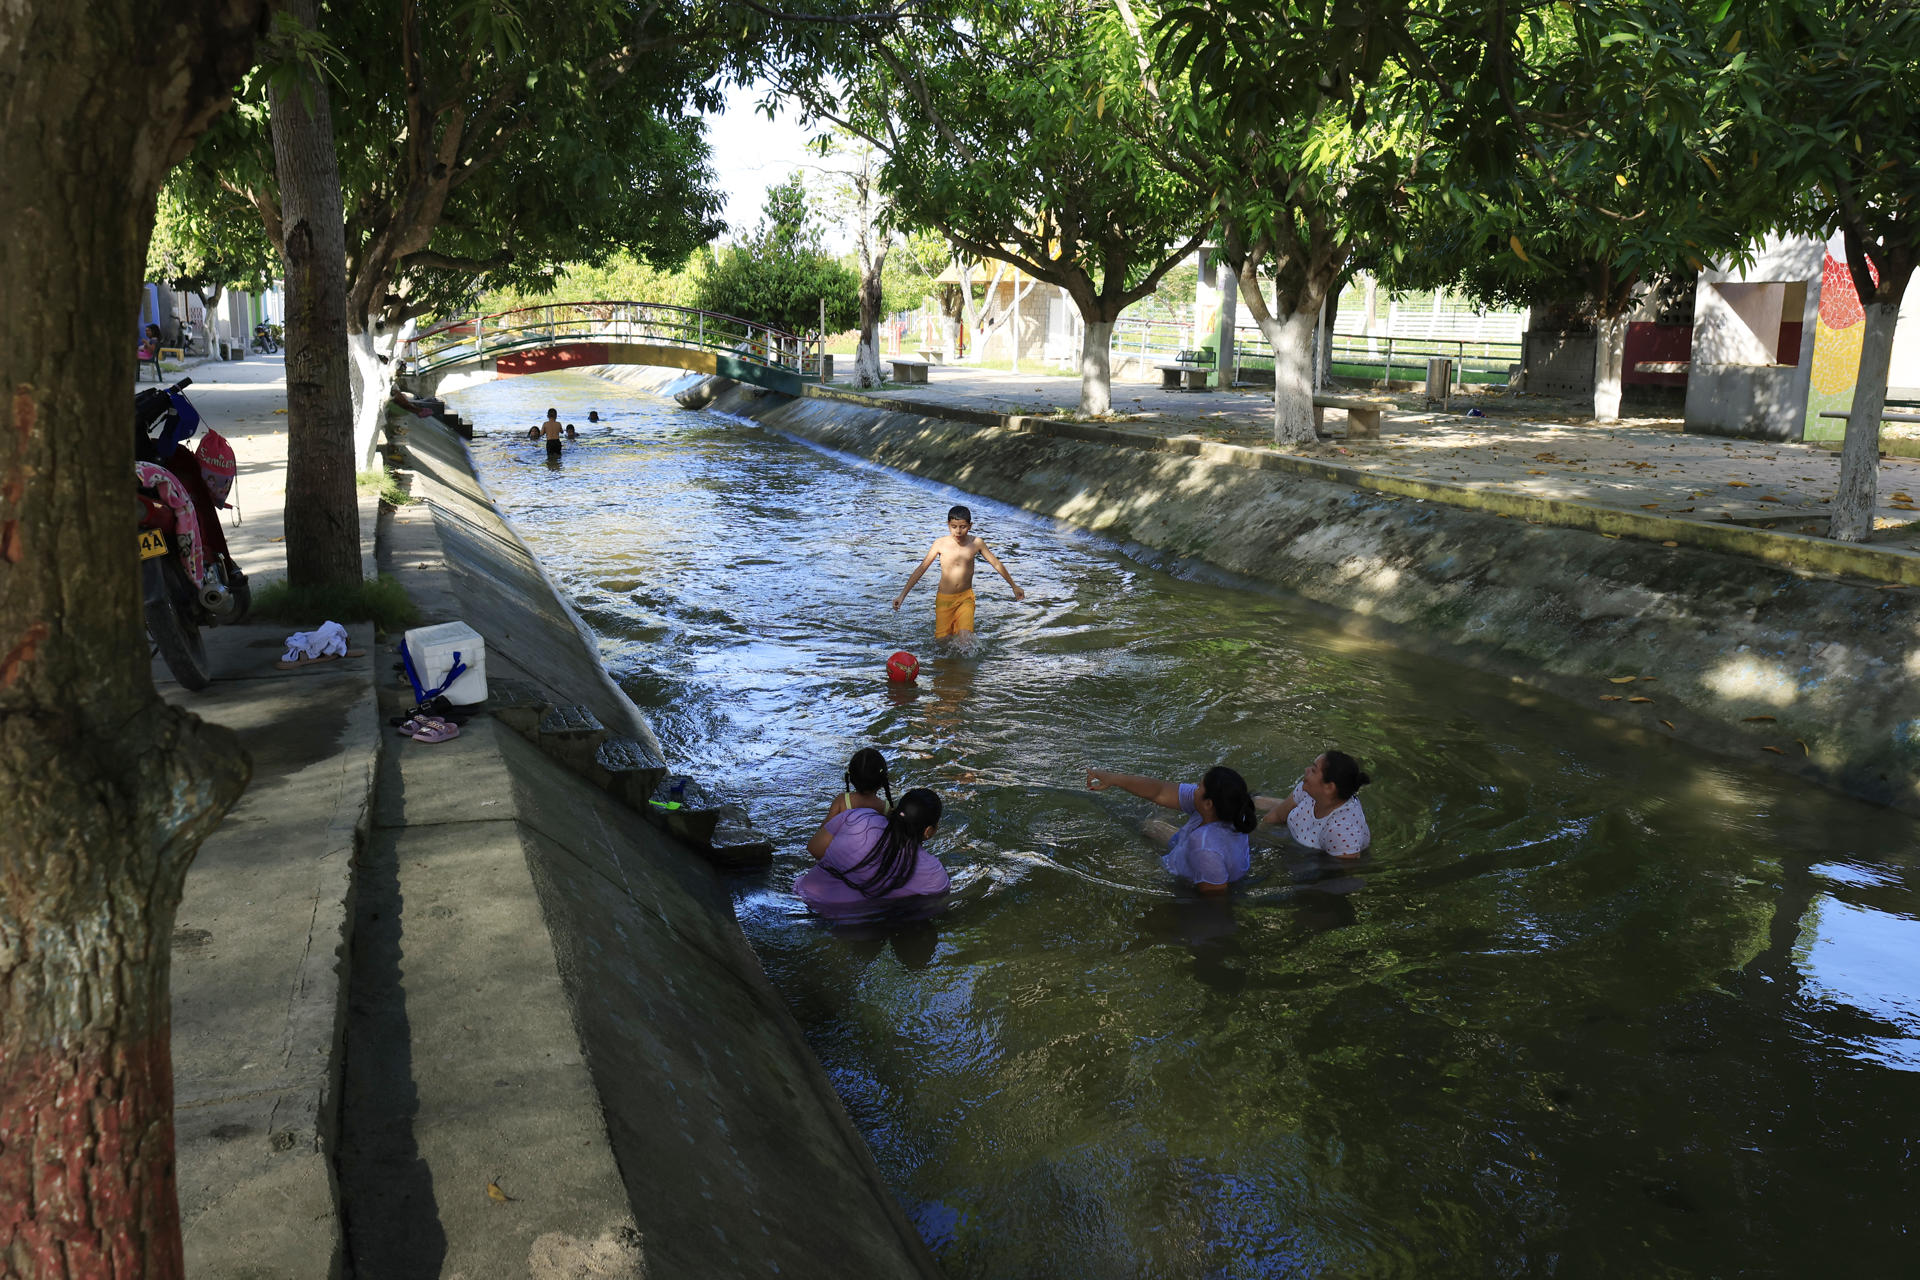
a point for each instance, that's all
(780, 274)
(1015, 132)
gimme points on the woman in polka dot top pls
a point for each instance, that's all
(1323, 813)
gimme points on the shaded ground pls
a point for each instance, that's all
(1543, 446)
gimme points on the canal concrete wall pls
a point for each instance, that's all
(642, 1097)
(1764, 662)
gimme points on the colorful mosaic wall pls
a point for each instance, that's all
(1836, 350)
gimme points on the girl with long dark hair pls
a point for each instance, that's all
(866, 856)
(1211, 850)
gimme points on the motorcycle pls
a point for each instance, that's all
(264, 340)
(188, 579)
(184, 339)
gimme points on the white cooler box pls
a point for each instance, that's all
(434, 650)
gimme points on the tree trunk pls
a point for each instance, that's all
(1096, 373)
(1330, 317)
(107, 791)
(1853, 503)
(372, 388)
(969, 314)
(322, 511)
(866, 357)
(1291, 337)
(1609, 359)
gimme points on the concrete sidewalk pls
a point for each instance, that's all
(1534, 446)
(258, 1000)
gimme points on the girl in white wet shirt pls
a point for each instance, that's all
(1323, 812)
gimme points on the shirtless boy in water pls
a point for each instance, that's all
(953, 603)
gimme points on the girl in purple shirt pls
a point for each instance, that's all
(1211, 849)
(866, 858)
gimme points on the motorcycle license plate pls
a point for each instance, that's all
(152, 543)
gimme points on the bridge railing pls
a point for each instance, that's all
(465, 338)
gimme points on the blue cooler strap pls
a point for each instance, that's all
(420, 692)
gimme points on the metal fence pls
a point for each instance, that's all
(1356, 357)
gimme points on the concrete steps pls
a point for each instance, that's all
(632, 772)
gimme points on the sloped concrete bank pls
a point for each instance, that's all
(1762, 662)
(532, 895)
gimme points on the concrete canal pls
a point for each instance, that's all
(1591, 1005)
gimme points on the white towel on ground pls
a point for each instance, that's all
(328, 640)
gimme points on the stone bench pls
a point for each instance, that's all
(909, 370)
(1183, 375)
(1363, 416)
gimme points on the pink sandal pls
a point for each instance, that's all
(437, 731)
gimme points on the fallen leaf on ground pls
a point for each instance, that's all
(1649, 506)
(1767, 497)
(1757, 720)
(1777, 751)
(1639, 699)
(1609, 535)
(279, 410)
(1609, 697)
(1621, 679)
(1738, 484)
(1669, 544)
(495, 1193)
(1803, 747)
(1667, 723)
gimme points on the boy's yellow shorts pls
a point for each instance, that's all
(952, 613)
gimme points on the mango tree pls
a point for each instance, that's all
(1833, 91)
(106, 790)
(1013, 130)
(781, 273)
(1304, 135)
(492, 142)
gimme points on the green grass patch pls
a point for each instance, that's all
(382, 601)
(384, 483)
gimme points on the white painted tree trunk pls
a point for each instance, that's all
(866, 356)
(1609, 360)
(969, 315)
(1860, 454)
(372, 387)
(1096, 371)
(1291, 337)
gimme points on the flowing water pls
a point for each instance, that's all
(1589, 1008)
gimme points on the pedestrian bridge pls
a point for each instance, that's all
(569, 335)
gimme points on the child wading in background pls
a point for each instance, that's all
(953, 602)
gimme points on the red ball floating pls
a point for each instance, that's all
(903, 668)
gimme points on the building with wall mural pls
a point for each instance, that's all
(1776, 345)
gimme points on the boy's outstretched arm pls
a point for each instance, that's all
(931, 553)
(994, 560)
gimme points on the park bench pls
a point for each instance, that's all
(909, 370)
(930, 354)
(1886, 415)
(1191, 377)
(1192, 370)
(1363, 416)
(173, 353)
